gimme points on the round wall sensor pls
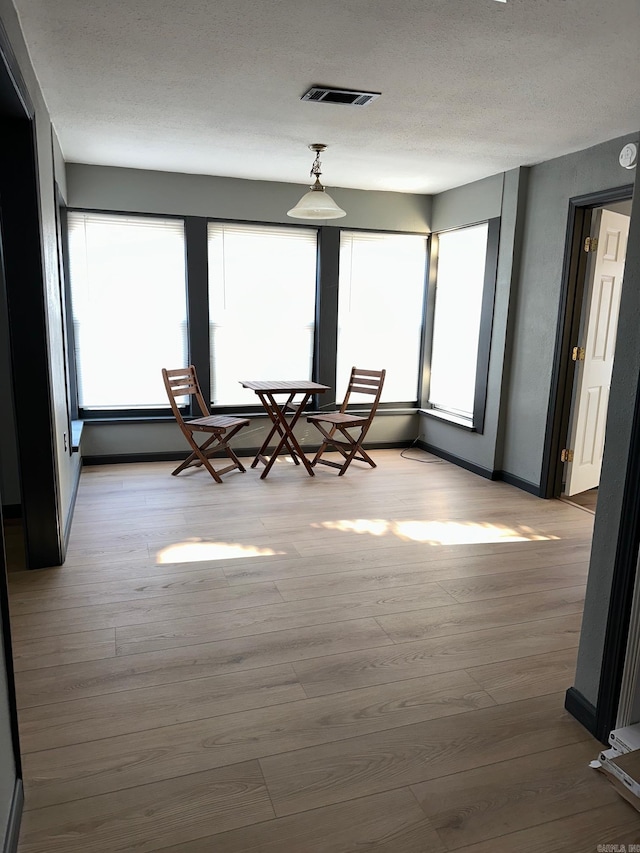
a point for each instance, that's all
(629, 155)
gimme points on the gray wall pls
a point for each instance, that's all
(468, 204)
(114, 439)
(108, 188)
(60, 169)
(551, 185)
(533, 203)
(500, 195)
(620, 419)
(140, 191)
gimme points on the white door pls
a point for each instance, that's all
(593, 377)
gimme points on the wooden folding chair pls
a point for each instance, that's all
(335, 426)
(183, 382)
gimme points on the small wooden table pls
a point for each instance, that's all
(267, 392)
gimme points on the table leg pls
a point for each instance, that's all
(277, 418)
(278, 415)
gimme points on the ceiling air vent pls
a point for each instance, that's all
(339, 96)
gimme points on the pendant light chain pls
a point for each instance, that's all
(317, 203)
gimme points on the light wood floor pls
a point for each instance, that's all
(309, 665)
(587, 500)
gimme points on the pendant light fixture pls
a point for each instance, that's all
(316, 204)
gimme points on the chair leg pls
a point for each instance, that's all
(200, 455)
(211, 469)
(364, 457)
(195, 458)
(319, 453)
(350, 448)
(325, 443)
(238, 464)
(351, 454)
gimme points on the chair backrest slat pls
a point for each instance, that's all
(365, 382)
(183, 382)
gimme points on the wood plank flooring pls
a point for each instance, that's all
(309, 665)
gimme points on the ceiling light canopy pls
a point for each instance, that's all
(316, 204)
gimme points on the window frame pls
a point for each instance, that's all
(202, 366)
(118, 415)
(196, 265)
(391, 406)
(477, 421)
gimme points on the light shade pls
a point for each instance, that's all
(316, 204)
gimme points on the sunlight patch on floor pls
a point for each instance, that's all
(437, 532)
(199, 550)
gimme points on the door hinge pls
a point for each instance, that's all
(591, 244)
(577, 354)
(566, 455)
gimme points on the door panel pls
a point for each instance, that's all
(602, 295)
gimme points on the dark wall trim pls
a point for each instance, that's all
(8, 655)
(582, 710)
(119, 458)
(62, 236)
(429, 310)
(457, 460)
(486, 324)
(15, 813)
(486, 320)
(72, 504)
(567, 329)
(622, 585)
(525, 485)
(197, 284)
(487, 473)
(326, 334)
(15, 819)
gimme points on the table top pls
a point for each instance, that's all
(287, 386)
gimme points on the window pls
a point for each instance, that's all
(380, 310)
(129, 305)
(465, 286)
(262, 301)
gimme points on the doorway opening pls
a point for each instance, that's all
(585, 343)
(593, 355)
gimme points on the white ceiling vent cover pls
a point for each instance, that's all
(350, 97)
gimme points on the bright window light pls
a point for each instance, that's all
(380, 299)
(262, 297)
(197, 551)
(129, 301)
(438, 532)
(462, 256)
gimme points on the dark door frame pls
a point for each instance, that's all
(26, 290)
(599, 720)
(12, 104)
(567, 330)
(15, 810)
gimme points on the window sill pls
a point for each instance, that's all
(76, 435)
(115, 420)
(454, 420)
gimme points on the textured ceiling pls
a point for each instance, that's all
(469, 87)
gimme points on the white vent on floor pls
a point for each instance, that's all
(350, 97)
